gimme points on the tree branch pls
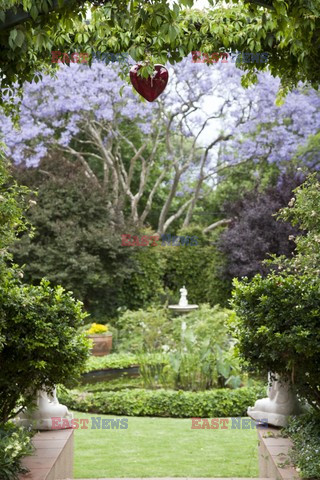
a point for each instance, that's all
(217, 224)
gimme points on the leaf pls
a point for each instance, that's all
(172, 33)
(13, 35)
(34, 12)
(19, 38)
(187, 3)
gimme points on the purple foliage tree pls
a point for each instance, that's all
(254, 231)
(205, 120)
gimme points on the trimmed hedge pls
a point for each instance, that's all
(123, 360)
(222, 402)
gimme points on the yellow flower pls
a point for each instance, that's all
(97, 328)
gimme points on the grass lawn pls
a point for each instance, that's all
(163, 447)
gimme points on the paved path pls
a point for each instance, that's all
(176, 478)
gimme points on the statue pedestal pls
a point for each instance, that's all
(47, 408)
(280, 404)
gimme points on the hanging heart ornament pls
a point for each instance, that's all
(151, 87)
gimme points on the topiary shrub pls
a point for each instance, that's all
(41, 346)
(278, 329)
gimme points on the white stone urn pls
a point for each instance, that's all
(280, 404)
(49, 414)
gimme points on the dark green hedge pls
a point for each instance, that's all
(165, 403)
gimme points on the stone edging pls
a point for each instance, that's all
(53, 457)
(274, 461)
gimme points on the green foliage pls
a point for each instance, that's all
(304, 431)
(278, 329)
(144, 330)
(217, 285)
(303, 212)
(74, 244)
(202, 357)
(288, 30)
(144, 286)
(166, 403)
(41, 347)
(15, 443)
(155, 31)
(188, 266)
(12, 203)
(198, 357)
(121, 360)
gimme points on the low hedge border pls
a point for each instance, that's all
(123, 360)
(222, 402)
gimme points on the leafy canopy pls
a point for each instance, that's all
(157, 31)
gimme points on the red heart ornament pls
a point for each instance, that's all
(151, 87)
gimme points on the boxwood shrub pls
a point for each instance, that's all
(222, 402)
(304, 431)
(278, 329)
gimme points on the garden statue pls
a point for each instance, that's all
(278, 406)
(183, 302)
(183, 306)
(47, 409)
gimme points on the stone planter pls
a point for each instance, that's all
(102, 344)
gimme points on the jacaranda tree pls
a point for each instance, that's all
(183, 144)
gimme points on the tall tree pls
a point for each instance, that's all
(72, 244)
(88, 121)
(254, 231)
(177, 146)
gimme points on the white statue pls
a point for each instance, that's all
(278, 406)
(183, 302)
(48, 415)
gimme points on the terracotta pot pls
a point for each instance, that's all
(102, 344)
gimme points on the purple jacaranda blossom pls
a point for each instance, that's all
(55, 110)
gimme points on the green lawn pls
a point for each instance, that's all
(163, 447)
